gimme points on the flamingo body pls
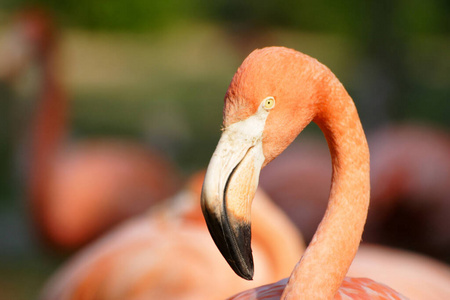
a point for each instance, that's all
(94, 185)
(351, 288)
(414, 276)
(167, 253)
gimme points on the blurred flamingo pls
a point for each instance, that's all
(176, 234)
(304, 201)
(411, 189)
(167, 253)
(274, 94)
(76, 191)
(413, 275)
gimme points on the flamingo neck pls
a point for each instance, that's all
(321, 270)
(47, 128)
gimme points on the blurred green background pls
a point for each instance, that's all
(156, 71)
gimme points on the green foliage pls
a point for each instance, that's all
(424, 17)
(323, 15)
(118, 15)
(344, 17)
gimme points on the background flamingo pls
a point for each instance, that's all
(167, 253)
(76, 191)
(304, 201)
(411, 187)
(415, 276)
(289, 90)
(175, 233)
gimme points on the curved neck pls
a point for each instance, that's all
(47, 128)
(320, 272)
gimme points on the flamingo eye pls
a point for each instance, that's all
(269, 103)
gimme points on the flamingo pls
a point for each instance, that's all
(166, 253)
(411, 181)
(76, 190)
(413, 275)
(274, 94)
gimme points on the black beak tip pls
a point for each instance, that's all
(234, 244)
(240, 256)
(245, 271)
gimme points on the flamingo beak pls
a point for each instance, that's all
(228, 190)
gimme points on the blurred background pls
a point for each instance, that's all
(155, 73)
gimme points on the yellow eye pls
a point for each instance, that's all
(269, 103)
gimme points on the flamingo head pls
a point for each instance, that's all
(32, 38)
(271, 98)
